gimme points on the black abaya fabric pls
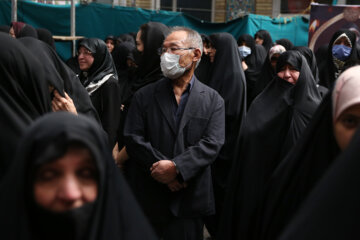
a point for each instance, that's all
(286, 43)
(274, 122)
(204, 69)
(113, 215)
(46, 36)
(106, 98)
(311, 60)
(149, 69)
(332, 209)
(327, 68)
(265, 35)
(5, 29)
(228, 80)
(297, 174)
(60, 76)
(254, 61)
(266, 76)
(24, 95)
(120, 54)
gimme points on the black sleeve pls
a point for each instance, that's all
(137, 146)
(110, 114)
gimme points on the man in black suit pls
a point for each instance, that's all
(174, 131)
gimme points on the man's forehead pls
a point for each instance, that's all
(176, 38)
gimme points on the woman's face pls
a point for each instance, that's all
(346, 125)
(12, 32)
(342, 41)
(68, 182)
(85, 58)
(139, 43)
(259, 41)
(210, 51)
(273, 60)
(110, 45)
(289, 74)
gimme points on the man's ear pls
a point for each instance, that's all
(197, 55)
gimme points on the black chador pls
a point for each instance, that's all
(274, 122)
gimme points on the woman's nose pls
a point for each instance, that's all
(69, 190)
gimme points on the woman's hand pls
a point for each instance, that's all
(60, 103)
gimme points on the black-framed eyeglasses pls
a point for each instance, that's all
(172, 49)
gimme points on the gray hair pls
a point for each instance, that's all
(193, 38)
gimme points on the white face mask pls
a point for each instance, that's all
(244, 51)
(170, 66)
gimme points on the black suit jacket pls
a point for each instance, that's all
(151, 135)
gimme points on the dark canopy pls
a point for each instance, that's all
(332, 209)
(274, 122)
(24, 95)
(114, 214)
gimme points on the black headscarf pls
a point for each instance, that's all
(266, 76)
(203, 70)
(332, 209)
(254, 61)
(113, 215)
(274, 122)
(24, 95)
(298, 172)
(5, 29)
(111, 37)
(328, 72)
(60, 76)
(24, 30)
(288, 45)
(103, 63)
(311, 60)
(265, 35)
(120, 54)
(153, 35)
(227, 76)
(46, 36)
(125, 38)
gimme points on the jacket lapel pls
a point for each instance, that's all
(192, 105)
(164, 96)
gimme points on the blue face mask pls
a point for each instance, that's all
(244, 51)
(341, 52)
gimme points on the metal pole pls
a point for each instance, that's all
(276, 8)
(213, 2)
(174, 5)
(73, 22)
(14, 10)
(157, 4)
